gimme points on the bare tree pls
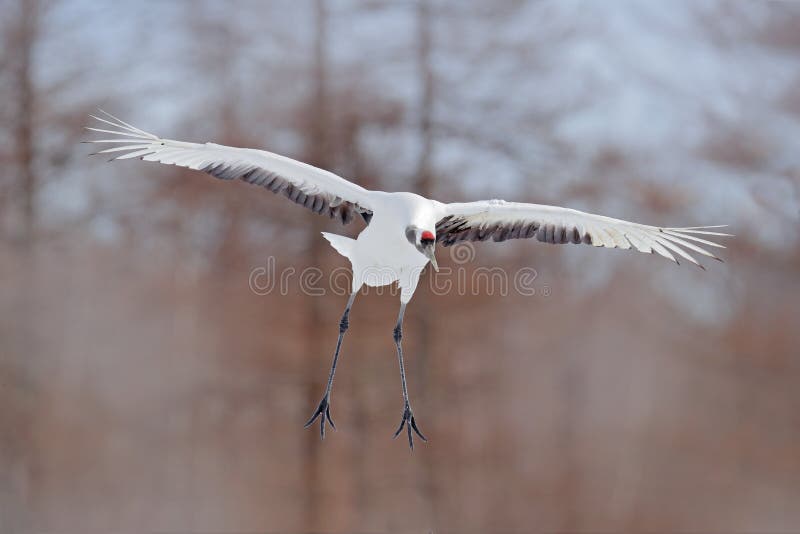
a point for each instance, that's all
(21, 376)
(318, 155)
(424, 185)
(18, 57)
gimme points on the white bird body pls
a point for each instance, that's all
(381, 255)
(402, 228)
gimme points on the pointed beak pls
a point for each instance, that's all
(428, 250)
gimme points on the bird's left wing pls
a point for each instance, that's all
(500, 220)
(318, 190)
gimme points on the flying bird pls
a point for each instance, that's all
(402, 229)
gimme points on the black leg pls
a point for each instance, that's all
(324, 408)
(408, 416)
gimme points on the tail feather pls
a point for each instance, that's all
(342, 244)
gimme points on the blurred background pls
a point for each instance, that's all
(144, 387)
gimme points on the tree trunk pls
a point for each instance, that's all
(423, 185)
(23, 135)
(20, 361)
(315, 374)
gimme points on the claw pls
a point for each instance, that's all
(402, 424)
(328, 416)
(324, 410)
(408, 416)
(417, 430)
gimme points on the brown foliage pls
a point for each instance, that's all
(145, 387)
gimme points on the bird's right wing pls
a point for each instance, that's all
(500, 220)
(318, 190)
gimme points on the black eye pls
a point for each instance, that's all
(426, 241)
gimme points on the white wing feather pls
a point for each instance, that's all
(500, 220)
(316, 189)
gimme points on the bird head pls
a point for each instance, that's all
(424, 241)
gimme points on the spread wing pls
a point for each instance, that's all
(320, 191)
(500, 220)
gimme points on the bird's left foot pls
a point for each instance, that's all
(323, 411)
(409, 422)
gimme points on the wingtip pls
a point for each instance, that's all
(110, 116)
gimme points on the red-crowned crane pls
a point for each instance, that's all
(402, 228)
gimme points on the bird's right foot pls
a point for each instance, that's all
(410, 423)
(323, 411)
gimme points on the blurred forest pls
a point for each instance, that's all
(144, 387)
